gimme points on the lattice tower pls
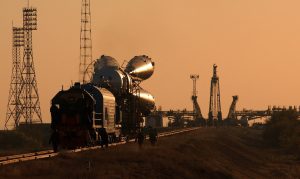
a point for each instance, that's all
(86, 62)
(14, 106)
(31, 111)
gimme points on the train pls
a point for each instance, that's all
(112, 101)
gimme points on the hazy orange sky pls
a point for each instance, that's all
(254, 42)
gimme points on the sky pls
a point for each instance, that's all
(254, 43)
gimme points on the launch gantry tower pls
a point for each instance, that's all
(215, 112)
(196, 107)
(232, 109)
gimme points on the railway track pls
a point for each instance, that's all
(50, 153)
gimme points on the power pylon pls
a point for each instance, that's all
(196, 107)
(31, 111)
(14, 106)
(215, 113)
(85, 65)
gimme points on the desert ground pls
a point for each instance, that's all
(205, 153)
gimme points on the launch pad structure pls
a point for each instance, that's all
(196, 107)
(215, 112)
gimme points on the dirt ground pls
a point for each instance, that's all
(205, 153)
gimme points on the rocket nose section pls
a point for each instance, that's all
(140, 67)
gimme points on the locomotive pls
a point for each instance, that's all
(113, 101)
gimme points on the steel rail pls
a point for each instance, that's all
(5, 160)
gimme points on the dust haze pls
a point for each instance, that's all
(255, 44)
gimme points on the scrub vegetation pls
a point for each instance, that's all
(206, 153)
(25, 139)
(283, 130)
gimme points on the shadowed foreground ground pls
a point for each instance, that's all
(213, 153)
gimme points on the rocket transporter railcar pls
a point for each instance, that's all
(114, 101)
